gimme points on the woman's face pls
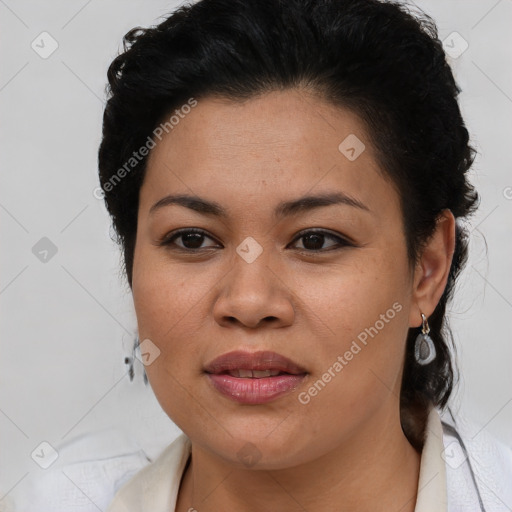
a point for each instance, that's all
(337, 303)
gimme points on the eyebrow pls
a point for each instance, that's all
(283, 209)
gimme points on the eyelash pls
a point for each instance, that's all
(168, 240)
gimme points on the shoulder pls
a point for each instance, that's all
(478, 466)
(104, 470)
(88, 471)
(155, 487)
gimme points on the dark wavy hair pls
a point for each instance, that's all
(381, 60)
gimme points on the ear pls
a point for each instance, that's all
(431, 272)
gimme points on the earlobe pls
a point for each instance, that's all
(431, 274)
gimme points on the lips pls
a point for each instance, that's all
(254, 378)
(253, 365)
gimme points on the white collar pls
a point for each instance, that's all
(432, 493)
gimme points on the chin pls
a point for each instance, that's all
(257, 450)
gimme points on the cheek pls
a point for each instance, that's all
(172, 311)
(166, 307)
(165, 296)
(363, 310)
(352, 297)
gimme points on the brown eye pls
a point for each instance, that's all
(313, 241)
(191, 239)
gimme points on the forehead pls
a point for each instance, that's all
(280, 144)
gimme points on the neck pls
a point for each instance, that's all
(377, 469)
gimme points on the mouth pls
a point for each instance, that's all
(254, 378)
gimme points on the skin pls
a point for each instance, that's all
(345, 449)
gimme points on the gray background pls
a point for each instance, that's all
(68, 323)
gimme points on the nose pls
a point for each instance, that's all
(252, 295)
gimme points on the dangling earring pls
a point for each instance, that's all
(130, 360)
(424, 348)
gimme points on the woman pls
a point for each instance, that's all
(285, 180)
